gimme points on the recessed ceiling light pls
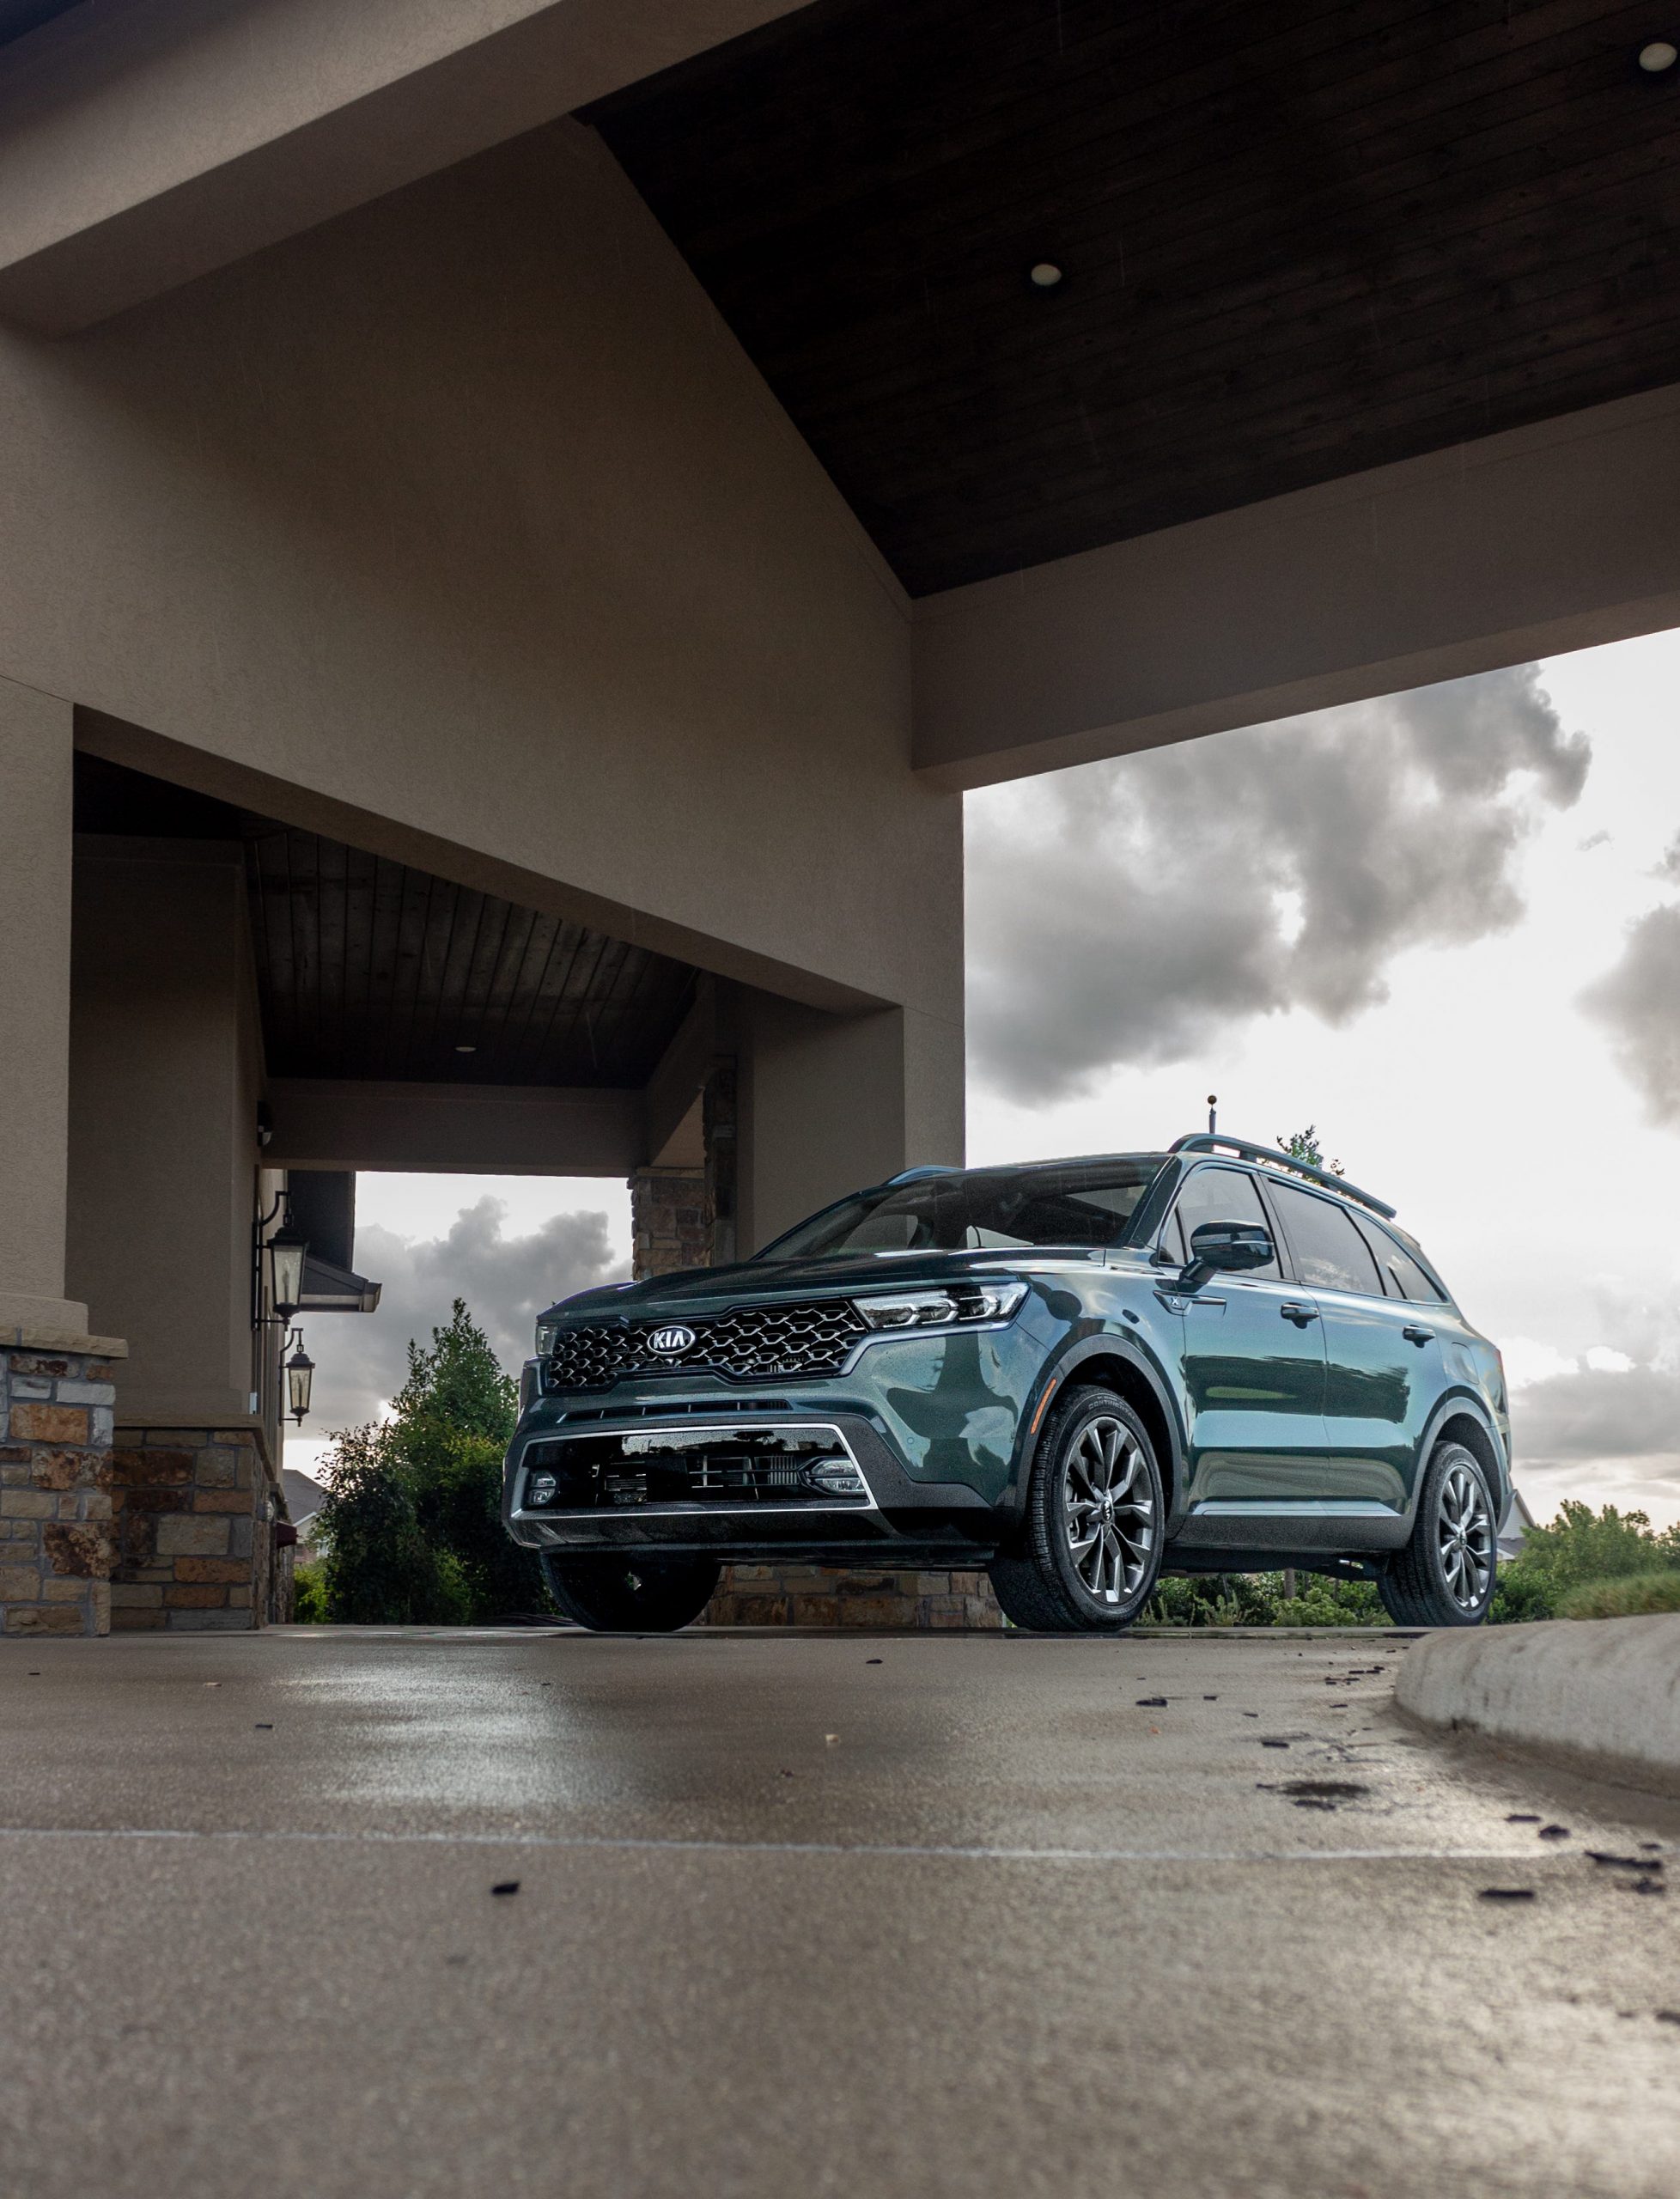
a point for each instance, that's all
(1044, 275)
(466, 1049)
(1657, 57)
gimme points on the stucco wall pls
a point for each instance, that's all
(164, 1083)
(461, 526)
(34, 1009)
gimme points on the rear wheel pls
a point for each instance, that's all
(1445, 1575)
(1090, 1548)
(655, 1595)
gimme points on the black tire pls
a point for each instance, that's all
(653, 1595)
(1060, 1579)
(1445, 1575)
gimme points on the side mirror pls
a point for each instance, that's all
(1225, 1248)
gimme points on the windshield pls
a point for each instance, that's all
(1075, 1202)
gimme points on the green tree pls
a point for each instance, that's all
(1303, 1145)
(452, 1421)
(412, 1520)
(380, 1570)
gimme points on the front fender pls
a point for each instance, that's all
(1085, 1348)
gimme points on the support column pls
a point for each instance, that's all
(166, 1076)
(829, 1105)
(35, 838)
(54, 1378)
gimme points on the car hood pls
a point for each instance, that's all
(700, 1290)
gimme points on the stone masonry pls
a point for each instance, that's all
(193, 1532)
(811, 1595)
(55, 1485)
(671, 1222)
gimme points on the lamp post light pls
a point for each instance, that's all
(299, 1377)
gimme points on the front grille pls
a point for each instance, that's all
(744, 1346)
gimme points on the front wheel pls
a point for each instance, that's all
(615, 1595)
(1445, 1575)
(1090, 1547)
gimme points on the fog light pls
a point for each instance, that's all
(837, 1478)
(542, 1489)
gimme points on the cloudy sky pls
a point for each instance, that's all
(1445, 927)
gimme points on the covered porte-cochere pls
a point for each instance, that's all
(522, 522)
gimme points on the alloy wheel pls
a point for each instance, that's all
(1466, 1537)
(1109, 1504)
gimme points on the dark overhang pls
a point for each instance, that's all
(1295, 241)
(373, 970)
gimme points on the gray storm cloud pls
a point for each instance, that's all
(1638, 1000)
(507, 1281)
(1122, 913)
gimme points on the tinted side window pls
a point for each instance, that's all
(1222, 1195)
(1401, 1272)
(1328, 1250)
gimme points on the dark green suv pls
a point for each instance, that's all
(1074, 1373)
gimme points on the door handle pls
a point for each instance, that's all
(1415, 1334)
(1300, 1314)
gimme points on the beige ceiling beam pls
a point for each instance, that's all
(507, 1130)
(146, 142)
(1548, 538)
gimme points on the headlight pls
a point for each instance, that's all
(941, 1309)
(546, 1332)
(542, 1488)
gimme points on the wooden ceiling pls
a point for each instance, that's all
(1299, 240)
(17, 17)
(366, 968)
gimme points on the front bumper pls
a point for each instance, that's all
(621, 1491)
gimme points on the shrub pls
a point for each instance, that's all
(309, 1602)
(1625, 1595)
(1521, 1593)
(1257, 1599)
(1579, 1546)
(1324, 1600)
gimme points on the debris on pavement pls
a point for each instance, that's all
(1506, 1893)
(506, 1885)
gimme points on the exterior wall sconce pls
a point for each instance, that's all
(285, 1251)
(299, 1377)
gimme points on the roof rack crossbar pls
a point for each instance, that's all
(1216, 1142)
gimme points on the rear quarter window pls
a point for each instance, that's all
(1403, 1276)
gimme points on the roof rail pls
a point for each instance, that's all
(927, 1168)
(1216, 1142)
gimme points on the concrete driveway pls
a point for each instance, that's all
(807, 1915)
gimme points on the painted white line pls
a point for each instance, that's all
(589, 1844)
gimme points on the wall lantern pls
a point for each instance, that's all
(299, 1377)
(285, 1253)
(287, 1250)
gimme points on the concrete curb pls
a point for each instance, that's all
(1600, 1695)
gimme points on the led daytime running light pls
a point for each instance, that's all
(963, 1304)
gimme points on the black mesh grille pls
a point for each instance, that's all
(746, 1345)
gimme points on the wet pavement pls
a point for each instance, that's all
(796, 1914)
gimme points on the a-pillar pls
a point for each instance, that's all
(55, 1377)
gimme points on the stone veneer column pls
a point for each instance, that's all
(56, 1398)
(671, 1222)
(193, 1530)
